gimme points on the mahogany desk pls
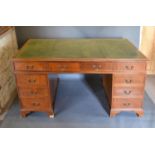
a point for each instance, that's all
(123, 65)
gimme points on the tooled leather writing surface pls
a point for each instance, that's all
(79, 48)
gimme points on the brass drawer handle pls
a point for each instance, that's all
(62, 66)
(33, 92)
(94, 66)
(32, 81)
(127, 92)
(126, 104)
(128, 81)
(0, 87)
(29, 67)
(99, 66)
(129, 67)
(35, 104)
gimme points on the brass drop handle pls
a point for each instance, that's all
(29, 67)
(31, 81)
(99, 66)
(34, 92)
(128, 81)
(129, 67)
(94, 66)
(127, 92)
(35, 104)
(62, 66)
(126, 104)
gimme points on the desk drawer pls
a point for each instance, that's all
(96, 67)
(64, 67)
(127, 103)
(130, 66)
(30, 66)
(128, 79)
(31, 80)
(33, 92)
(37, 104)
(128, 92)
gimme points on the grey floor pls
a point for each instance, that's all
(150, 86)
(81, 103)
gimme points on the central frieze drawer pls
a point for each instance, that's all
(128, 92)
(128, 79)
(30, 66)
(35, 103)
(130, 66)
(33, 92)
(64, 67)
(29, 80)
(96, 67)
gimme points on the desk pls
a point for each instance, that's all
(121, 62)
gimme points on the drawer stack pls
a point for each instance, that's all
(128, 88)
(33, 88)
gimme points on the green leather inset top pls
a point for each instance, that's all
(79, 48)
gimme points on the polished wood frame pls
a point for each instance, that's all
(119, 67)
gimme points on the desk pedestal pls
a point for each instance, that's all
(125, 92)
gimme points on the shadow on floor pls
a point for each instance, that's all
(94, 82)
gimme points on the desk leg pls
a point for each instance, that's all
(113, 113)
(50, 114)
(24, 113)
(139, 113)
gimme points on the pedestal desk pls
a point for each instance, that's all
(121, 62)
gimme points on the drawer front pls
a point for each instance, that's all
(130, 66)
(33, 92)
(30, 80)
(35, 103)
(128, 92)
(127, 103)
(64, 67)
(96, 67)
(128, 79)
(30, 66)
